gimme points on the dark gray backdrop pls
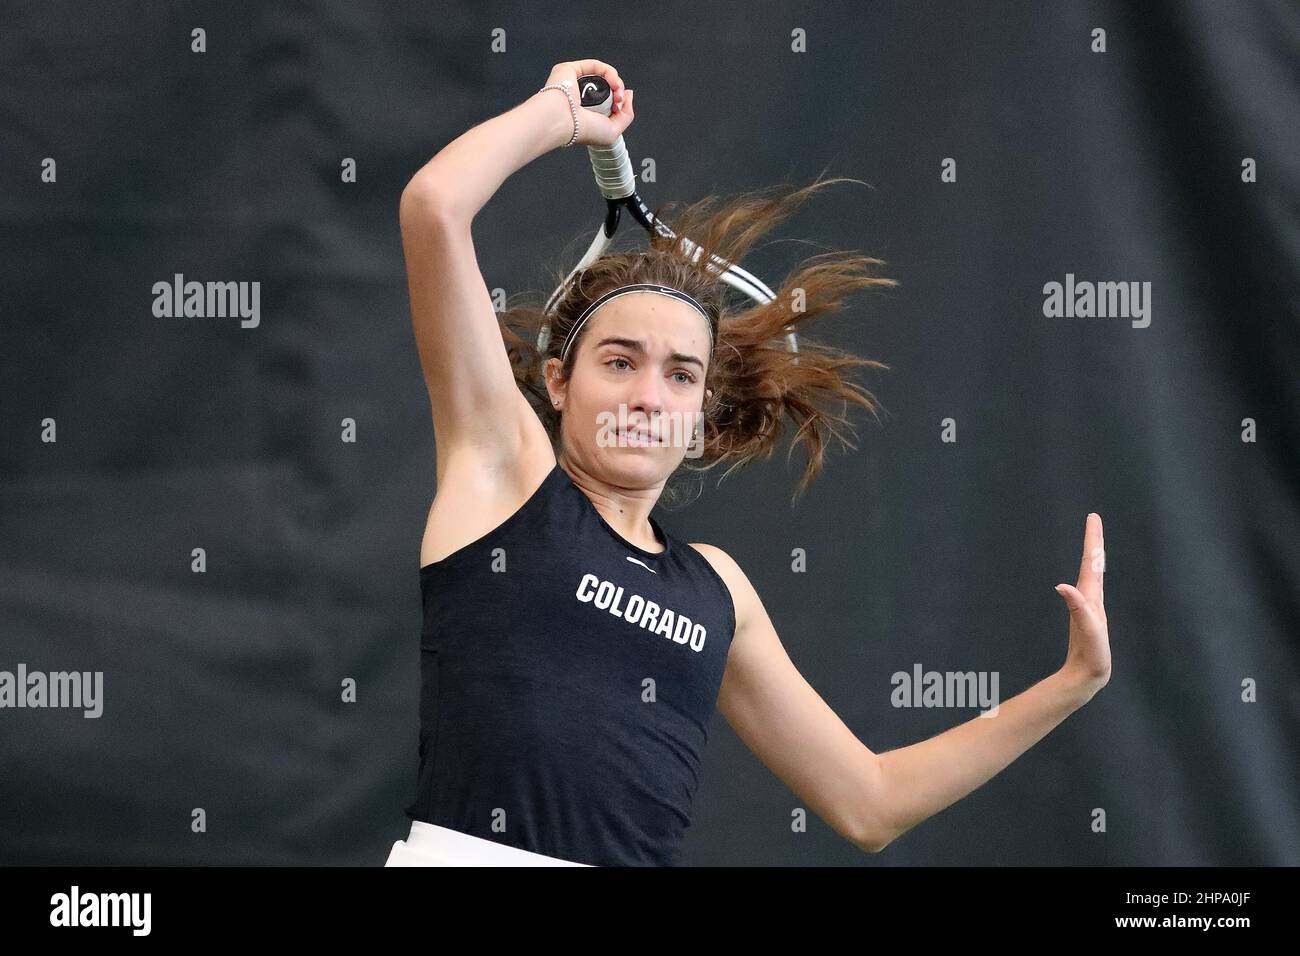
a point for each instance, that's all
(222, 689)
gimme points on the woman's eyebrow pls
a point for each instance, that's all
(636, 345)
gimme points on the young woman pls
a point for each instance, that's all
(572, 652)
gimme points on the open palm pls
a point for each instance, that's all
(1087, 661)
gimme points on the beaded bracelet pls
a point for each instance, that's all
(563, 86)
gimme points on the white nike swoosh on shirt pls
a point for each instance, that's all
(642, 563)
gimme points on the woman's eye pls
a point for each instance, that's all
(619, 363)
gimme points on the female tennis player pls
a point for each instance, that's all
(572, 652)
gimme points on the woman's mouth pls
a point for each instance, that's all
(637, 438)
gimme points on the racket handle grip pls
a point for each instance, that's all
(610, 164)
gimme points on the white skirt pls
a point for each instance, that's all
(432, 845)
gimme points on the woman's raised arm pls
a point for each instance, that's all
(472, 391)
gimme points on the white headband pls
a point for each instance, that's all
(624, 290)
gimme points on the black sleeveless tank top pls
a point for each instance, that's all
(568, 679)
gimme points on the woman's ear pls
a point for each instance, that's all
(553, 390)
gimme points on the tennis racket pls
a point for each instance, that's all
(617, 183)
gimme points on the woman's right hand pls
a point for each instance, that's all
(595, 129)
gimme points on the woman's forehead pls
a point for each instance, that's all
(648, 317)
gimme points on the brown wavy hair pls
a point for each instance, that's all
(757, 383)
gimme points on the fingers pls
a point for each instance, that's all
(1074, 599)
(601, 68)
(1093, 563)
(628, 112)
(1101, 576)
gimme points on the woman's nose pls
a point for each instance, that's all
(647, 395)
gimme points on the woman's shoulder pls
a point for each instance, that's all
(742, 592)
(723, 563)
(713, 554)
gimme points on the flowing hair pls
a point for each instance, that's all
(757, 383)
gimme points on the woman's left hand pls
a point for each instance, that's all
(1087, 662)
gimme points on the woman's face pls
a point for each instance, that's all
(634, 399)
